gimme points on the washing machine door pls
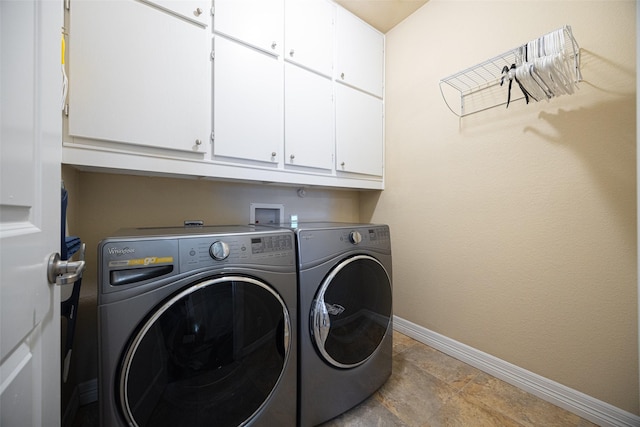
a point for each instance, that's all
(210, 355)
(352, 311)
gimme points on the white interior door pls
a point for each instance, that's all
(30, 144)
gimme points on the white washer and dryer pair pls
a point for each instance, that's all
(345, 316)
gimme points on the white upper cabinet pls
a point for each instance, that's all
(360, 54)
(247, 97)
(258, 23)
(138, 75)
(309, 130)
(359, 132)
(308, 32)
(196, 11)
(285, 91)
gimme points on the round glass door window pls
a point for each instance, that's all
(210, 355)
(352, 311)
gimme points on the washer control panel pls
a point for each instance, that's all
(219, 250)
(140, 256)
(264, 249)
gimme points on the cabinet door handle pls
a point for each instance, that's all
(292, 157)
(273, 154)
(198, 12)
(292, 52)
(342, 76)
(274, 45)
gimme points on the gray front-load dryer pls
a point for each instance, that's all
(197, 327)
(345, 317)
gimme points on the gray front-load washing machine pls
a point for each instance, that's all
(345, 317)
(197, 327)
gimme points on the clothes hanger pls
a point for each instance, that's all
(511, 74)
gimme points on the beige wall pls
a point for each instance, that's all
(514, 230)
(100, 204)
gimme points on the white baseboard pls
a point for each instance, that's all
(88, 391)
(585, 406)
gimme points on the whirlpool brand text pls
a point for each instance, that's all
(121, 251)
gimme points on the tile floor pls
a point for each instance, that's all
(430, 389)
(427, 388)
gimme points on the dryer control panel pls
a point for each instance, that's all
(366, 236)
(318, 243)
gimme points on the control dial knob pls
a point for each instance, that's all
(219, 250)
(355, 237)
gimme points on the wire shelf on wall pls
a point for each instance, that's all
(478, 88)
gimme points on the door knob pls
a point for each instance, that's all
(64, 272)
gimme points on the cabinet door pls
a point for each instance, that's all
(359, 132)
(248, 98)
(308, 30)
(308, 120)
(258, 23)
(196, 11)
(360, 54)
(138, 75)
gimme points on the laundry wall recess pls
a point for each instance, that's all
(539, 70)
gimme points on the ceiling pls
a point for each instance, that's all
(382, 14)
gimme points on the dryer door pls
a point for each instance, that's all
(211, 354)
(352, 311)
